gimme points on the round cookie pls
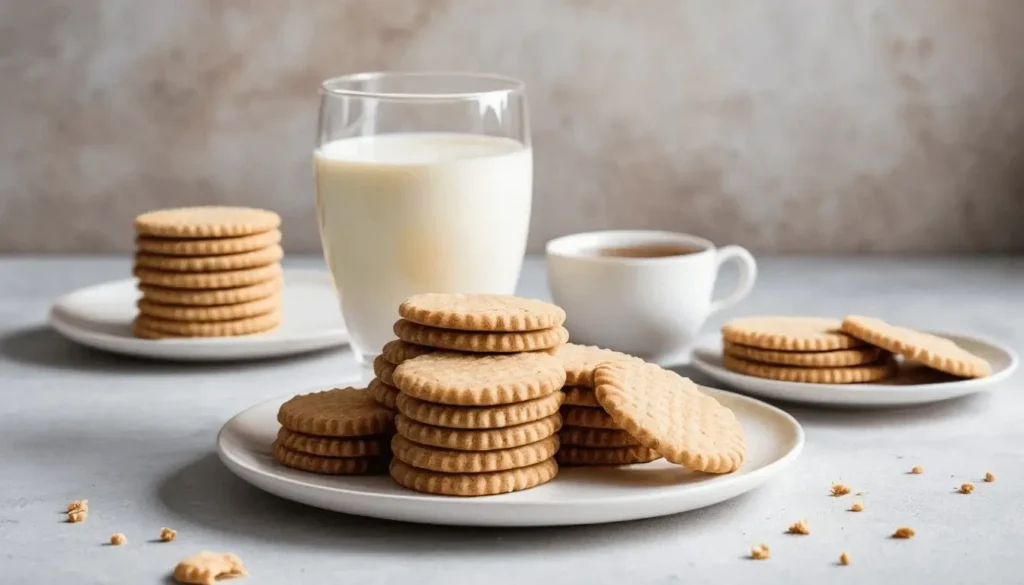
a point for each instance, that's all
(155, 328)
(222, 263)
(667, 413)
(341, 412)
(478, 417)
(473, 484)
(930, 350)
(589, 437)
(206, 222)
(203, 298)
(448, 461)
(209, 313)
(605, 456)
(815, 359)
(331, 446)
(789, 333)
(469, 341)
(580, 361)
(473, 380)
(327, 465)
(210, 247)
(481, 312)
(397, 351)
(477, 439)
(385, 394)
(580, 396)
(590, 418)
(208, 280)
(848, 375)
(384, 370)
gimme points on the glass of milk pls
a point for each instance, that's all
(423, 184)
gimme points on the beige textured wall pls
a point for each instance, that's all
(786, 126)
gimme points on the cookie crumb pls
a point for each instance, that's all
(205, 568)
(966, 488)
(799, 527)
(840, 489)
(990, 477)
(78, 516)
(904, 532)
(844, 559)
(77, 505)
(118, 539)
(916, 470)
(760, 552)
(167, 535)
(857, 507)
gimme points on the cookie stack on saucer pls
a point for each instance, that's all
(590, 436)
(477, 393)
(335, 432)
(207, 272)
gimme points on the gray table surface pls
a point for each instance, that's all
(137, 439)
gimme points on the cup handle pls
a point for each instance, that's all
(748, 274)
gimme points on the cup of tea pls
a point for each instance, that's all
(642, 292)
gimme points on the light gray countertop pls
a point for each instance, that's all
(137, 439)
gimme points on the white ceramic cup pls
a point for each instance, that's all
(650, 307)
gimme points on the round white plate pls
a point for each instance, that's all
(914, 384)
(101, 317)
(576, 496)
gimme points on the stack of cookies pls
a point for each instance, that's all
(589, 435)
(207, 272)
(477, 393)
(337, 432)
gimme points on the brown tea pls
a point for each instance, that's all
(644, 251)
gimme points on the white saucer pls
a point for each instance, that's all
(914, 384)
(576, 496)
(100, 316)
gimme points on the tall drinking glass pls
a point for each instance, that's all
(423, 184)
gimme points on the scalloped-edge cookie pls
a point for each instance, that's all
(572, 455)
(478, 417)
(385, 394)
(450, 461)
(384, 370)
(580, 361)
(472, 380)
(473, 484)
(931, 350)
(477, 439)
(475, 342)
(341, 412)
(847, 375)
(812, 359)
(481, 312)
(213, 297)
(208, 280)
(209, 313)
(221, 263)
(591, 418)
(398, 352)
(207, 247)
(789, 333)
(580, 396)
(146, 326)
(327, 465)
(332, 446)
(590, 437)
(210, 221)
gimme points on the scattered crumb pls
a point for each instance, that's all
(844, 559)
(840, 489)
(78, 516)
(990, 477)
(206, 567)
(917, 470)
(904, 532)
(167, 535)
(857, 507)
(77, 505)
(760, 552)
(799, 527)
(966, 488)
(118, 539)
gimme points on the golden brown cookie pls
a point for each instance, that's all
(384, 370)
(332, 446)
(480, 342)
(580, 396)
(580, 361)
(478, 417)
(448, 461)
(397, 351)
(813, 359)
(341, 412)
(789, 333)
(591, 418)
(479, 380)
(204, 568)
(473, 484)
(224, 296)
(209, 247)
(206, 222)
(328, 465)
(209, 313)
(481, 312)
(589, 437)
(848, 375)
(667, 413)
(145, 325)
(385, 394)
(209, 280)
(605, 455)
(930, 350)
(222, 263)
(477, 439)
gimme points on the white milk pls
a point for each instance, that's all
(402, 214)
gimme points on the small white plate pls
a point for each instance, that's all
(576, 496)
(914, 384)
(101, 317)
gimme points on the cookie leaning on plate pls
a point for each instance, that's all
(930, 350)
